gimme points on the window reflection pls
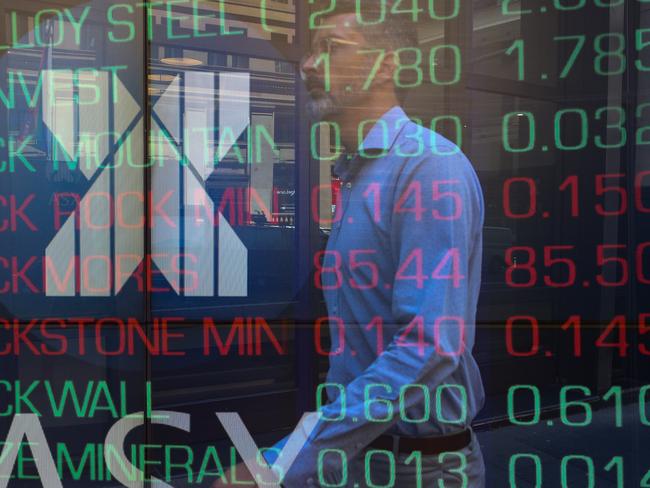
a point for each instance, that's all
(223, 143)
(271, 20)
(73, 101)
(494, 52)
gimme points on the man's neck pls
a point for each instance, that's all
(352, 118)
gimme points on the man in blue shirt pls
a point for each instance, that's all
(401, 276)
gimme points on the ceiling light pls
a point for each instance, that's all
(181, 61)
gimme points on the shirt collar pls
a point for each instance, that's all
(380, 139)
(383, 134)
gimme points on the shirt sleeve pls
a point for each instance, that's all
(433, 249)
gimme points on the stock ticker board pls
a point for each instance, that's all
(329, 243)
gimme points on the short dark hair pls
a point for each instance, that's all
(395, 32)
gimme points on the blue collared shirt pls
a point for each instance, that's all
(401, 279)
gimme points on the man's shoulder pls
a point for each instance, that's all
(435, 162)
(423, 150)
(415, 132)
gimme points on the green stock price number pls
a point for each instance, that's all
(519, 129)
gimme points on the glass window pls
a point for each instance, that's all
(72, 118)
(73, 251)
(230, 131)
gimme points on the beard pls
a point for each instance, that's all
(322, 106)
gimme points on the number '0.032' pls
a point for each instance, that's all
(613, 136)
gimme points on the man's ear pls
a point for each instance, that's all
(386, 71)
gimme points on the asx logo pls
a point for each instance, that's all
(97, 125)
(28, 426)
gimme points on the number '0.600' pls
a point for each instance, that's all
(377, 409)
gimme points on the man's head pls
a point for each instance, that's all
(355, 61)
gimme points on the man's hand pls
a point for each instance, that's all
(239, 473)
